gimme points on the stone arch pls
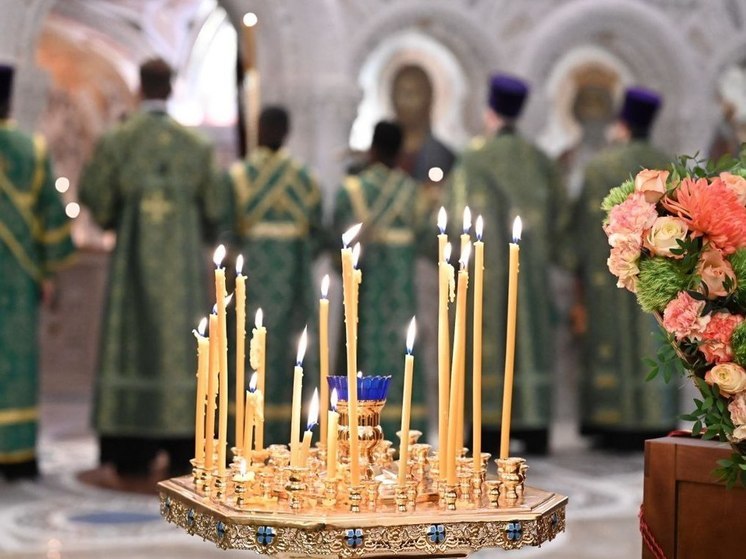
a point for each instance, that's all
(644, 40)
(451, 26)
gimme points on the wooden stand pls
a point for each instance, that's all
(687, 511)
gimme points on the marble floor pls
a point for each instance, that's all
(58, 517)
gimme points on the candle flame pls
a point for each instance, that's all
(447, 252)
(517, 228)
(313, 410)
(302, 347)
(467, 219)
(411, 333)
(479, 228)
(227, 300)
(250, 19)
(325, 286)
(215, 309)
(334, 399)
(465, 257)
(442, 220)
(202, 326)
(253, 383)
(242, 466)
(218, 255)
(350, 234)
(259, 318)
(359, 374)
(239, 264)
(355, 254)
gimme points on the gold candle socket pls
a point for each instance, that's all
(371, 493)
(401, 498)
(331, 485)
(493, 492)
(197, 469)
(477, 482)
(450, 495)
(355, 497)
(412, 495)
(206, 481)
(511, 473)
(240, 491)
(221, 485)
(296, 486)
(266, 481)
(464, 485)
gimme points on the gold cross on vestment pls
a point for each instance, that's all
(156, 207)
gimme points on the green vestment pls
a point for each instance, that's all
(613, 391)
(34, 242)
(386, 202)
(278, 228)
(500, 178)
(152, 181)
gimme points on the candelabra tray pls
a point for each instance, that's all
(429, 531)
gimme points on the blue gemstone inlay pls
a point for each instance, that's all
(436, 533)
(354, 537)
(265, 535)
(190, 516)
(368, 388)
(514, 531)
(220, 529)
(555, 520)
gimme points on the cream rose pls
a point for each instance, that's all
(739, 433)
(664, 236)
(714, 269)
(736, 184)
(652, 183)
(737, 409)
(729, 377)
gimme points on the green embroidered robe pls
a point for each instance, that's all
(34, 242)
(386, 202)
(613, 391)
(501, 177)
(153, 182)
(277, 224)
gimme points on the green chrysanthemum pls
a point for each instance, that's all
(661, 279)
(618, 195)
(738, 261)
(738, 343)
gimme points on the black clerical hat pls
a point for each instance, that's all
(507, 95)
(6, 82)
(640, 107)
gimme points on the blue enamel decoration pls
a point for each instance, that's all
(514, 531)
(354, 537)
(265, 535)
(436, 533)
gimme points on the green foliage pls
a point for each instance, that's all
(732, 470)
(659, 282)
(618, 195)
(738, 344)
(667, 362)
(738, 262)
(697, 168)
(711, 417)
(689, 250)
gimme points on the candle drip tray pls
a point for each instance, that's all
(378, 530)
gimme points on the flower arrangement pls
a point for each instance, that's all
(678, 242)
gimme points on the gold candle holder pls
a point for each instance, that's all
(266, 482)
(221, 486)
(206, 481)
(412, 495)
(197, 469)
(511, 473)
(369, 431)
(477, 483)
(493, 492)
(355, 497)
(421, 467)
(240, 482)
(442, 494)
(296, 486)
(371, 493)
(331, 486)
(464, 485)
(450, 495)
(401, 497)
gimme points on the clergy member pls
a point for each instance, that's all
(153, 182)
(501, 176)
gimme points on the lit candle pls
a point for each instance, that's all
(357, 279)
(260, 341)
(350, 330)
(297, 390)
(240, 351)
(248, 426)
(203, 357)
(510, 339)
(465, 242)
(477, 347)
(313, 418)
(446, 278)
(220, 295)
(465, 237)
(406, 410)
(442, 237)
(457, 367)
(324, 354)
(331, 438)
(212, 390)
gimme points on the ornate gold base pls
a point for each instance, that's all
(274, 529)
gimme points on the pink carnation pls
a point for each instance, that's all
(629, 220)
(682, 317)
(716, 338)
(737, 409)
(622, 263)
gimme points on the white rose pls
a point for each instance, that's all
(664, 236)
(729, 377)
(739, 433)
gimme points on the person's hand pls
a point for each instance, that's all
(49, 293)
(578, 319)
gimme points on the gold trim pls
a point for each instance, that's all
(18, 415)
(57, 235)
(40, 149)
(17, 456)
(57, 265)
(354, 188)
(241, 182)
(275, 230)
(273, 194)
(395, 236)
(15, 247)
